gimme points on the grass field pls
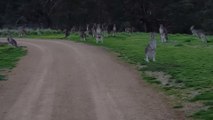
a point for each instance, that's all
(8, 58)
(183, 70)
(187, 61)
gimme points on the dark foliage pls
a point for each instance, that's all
(143, 15)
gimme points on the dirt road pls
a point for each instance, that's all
(62, 80)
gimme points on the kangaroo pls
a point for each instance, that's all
(12, 42)
(199, 33)
(87, 30)
(99, 36)
(73, 29)
(150, 50)
(22, 31)
(38, 32)
(163, 33)
(114, 30)
(128, 30)
(98, 30)
(105, 29)
(94, 30)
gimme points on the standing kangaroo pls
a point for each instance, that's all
(114, 30)
(94, 30)
(22, 31)
(87, 30)
(150, 50)
(99, 36)
(163, 33)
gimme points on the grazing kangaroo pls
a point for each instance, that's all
(12, 42)
(163, 33)
(150, 50)
(99, 36)
(199, 33)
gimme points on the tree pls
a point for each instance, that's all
(144, 15)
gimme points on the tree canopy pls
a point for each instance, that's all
(144, 15)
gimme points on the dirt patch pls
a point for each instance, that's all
(160, 76)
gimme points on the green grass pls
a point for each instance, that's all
(204, 114)
(150, 79)
(9, 57)
(204, 96)
(184, 57)
(2, 77)
(47, 36)
(30, 32)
